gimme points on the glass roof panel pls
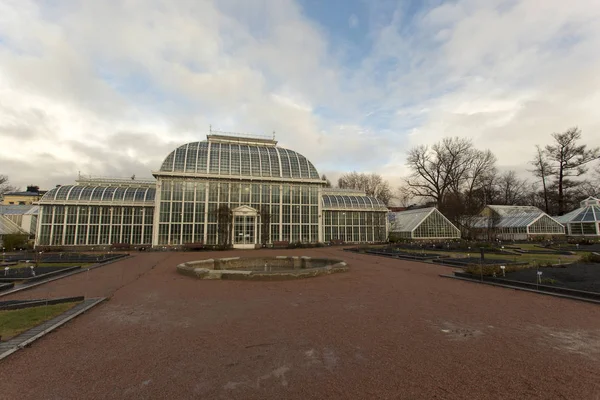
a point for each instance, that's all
(150, 193)
(286, 169)
(191, 157)
(215, 152)
(62, 192)
(50, 194)
(351, 202)
(275, 164)
(235, 159)
(294, 164)
(140, 193)
(97, 193)
(409, 220)
(588, 215)
(167, 165)
(179, 164)
(75, 192)
(119, 194)
(254, 161)
(109, 193)
(224, 164)
(202, 158)
(129, 194)
(86, 193)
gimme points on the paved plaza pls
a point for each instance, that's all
(386, 329)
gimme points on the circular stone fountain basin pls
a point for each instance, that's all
(261, 268)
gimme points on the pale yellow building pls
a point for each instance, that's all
(32, 195)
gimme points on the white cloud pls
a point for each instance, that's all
(506, 74)
(110, 87)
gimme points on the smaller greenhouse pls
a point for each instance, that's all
(512, 223)
(352, 217)
(584, 221)
(422, 223)
(8, 227)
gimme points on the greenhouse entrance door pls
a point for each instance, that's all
(245, 224)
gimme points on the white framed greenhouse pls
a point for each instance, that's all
(422, 223)
(584, 221)
(351, 216)
(512, 223)
(230, 190)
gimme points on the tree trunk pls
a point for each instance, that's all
(561, 205)
(545, 195)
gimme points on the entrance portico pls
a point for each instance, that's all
(245, 228)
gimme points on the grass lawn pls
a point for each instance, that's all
(14, 322)
(66, 264)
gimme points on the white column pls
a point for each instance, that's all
(155, 221)
(320, 212)
(206, 190)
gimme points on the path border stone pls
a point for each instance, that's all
(28, 286)
(525, 289)
(17, 343)
(294, 267)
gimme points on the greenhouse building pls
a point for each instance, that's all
(228, 190)
(350, 216)
(584, 221)
(512, 223)
(422, 223)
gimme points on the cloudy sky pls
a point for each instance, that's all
(110, 87)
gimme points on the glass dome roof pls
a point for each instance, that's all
(330, 201)
(87, 194)
(235, 159)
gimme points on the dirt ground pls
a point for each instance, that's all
(387, 329)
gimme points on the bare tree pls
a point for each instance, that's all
(586, 189)
(404, 196)
(429, 177)
(265, 222)
(482, 171)
(5, 187)
(460, 156)
(511, 188)
(224, 225)
(372, 184)
(568, 159)
(451, 173)
(542, 169)
(328, 182)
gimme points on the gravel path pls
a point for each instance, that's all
(386, 329)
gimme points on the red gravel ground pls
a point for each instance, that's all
(386, 329)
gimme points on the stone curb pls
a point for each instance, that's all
(78, 271)
(60, 322)
(564, 296)
(223, 268)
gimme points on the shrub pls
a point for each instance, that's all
(549, 281)
(581, 241)
(489, 270)
(590, 258)
(13, 241)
